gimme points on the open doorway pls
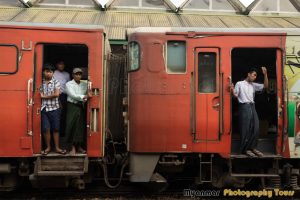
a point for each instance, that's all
(73, 56)
(265, 102)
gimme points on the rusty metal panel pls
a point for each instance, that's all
(141, 20)
(26, 15)
(121, 19)
(64, 17)
(6, 14)
(293, 20)
(104, 19)
(85, 18)
(283, 23)
(45, 16)
(267, 22)
(116, 33)
(194, 21)
(239, 22)
(159, 20)
(174, 20)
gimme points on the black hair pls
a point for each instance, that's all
(48, 66)
(253, 69)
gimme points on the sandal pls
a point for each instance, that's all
(62, 152)
(45, 152)
(258, 153)
(250, 154)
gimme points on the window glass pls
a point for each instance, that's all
(81, 2)
(221, 5)
(153, 3)
(207, 72)
(8, 59)
(134, 56)
(9, 3)
(52, 1)
(197, 4)
(286, 6)
(267, 5)
(126, 3)
(176, 57)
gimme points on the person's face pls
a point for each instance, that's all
(252, 76)
(48, 74)
(60, 66)
(77, 76)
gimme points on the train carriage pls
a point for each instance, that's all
(25, 48)
(182, 117)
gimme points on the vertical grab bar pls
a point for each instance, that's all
(221, 121)
(29, 107)
(193, 105)
(285, 112)
(230, 83)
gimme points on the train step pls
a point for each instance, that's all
(61, 166)
(266, 155)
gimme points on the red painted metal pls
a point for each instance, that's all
(160, 103)
(17, 116)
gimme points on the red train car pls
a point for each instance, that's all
(24, 49)
(182, 117)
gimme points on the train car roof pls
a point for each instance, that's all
(289, 31)
(86, 27)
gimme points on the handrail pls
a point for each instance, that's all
(193, 105)
(29, 107)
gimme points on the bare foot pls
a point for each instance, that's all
(73, 151)
(81, 150)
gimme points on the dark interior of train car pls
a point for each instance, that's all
(73, 56)
(265, 102)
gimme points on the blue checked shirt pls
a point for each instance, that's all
(49, 89)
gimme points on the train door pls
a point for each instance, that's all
(268, 103)
(207, 98)
(16, 69)
(73, 55)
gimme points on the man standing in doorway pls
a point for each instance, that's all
(78, 94)
(244, 91)
(63, 77)
(50, 109)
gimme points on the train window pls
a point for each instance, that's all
(176, 57)
(134, 56)
(207, 72)
(8, 59)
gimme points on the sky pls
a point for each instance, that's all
(246, 2)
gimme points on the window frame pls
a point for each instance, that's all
(166, 57)
(139, 57)
(17, 59)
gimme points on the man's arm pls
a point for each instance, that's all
(54, 95)
(266, 80)
(71, 93)
(232, 91)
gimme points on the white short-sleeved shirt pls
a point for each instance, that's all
(63, 78)
(245, 91)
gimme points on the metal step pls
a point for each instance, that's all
(254, 175)
(60, 166)
(60, 173)
(266, 155)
